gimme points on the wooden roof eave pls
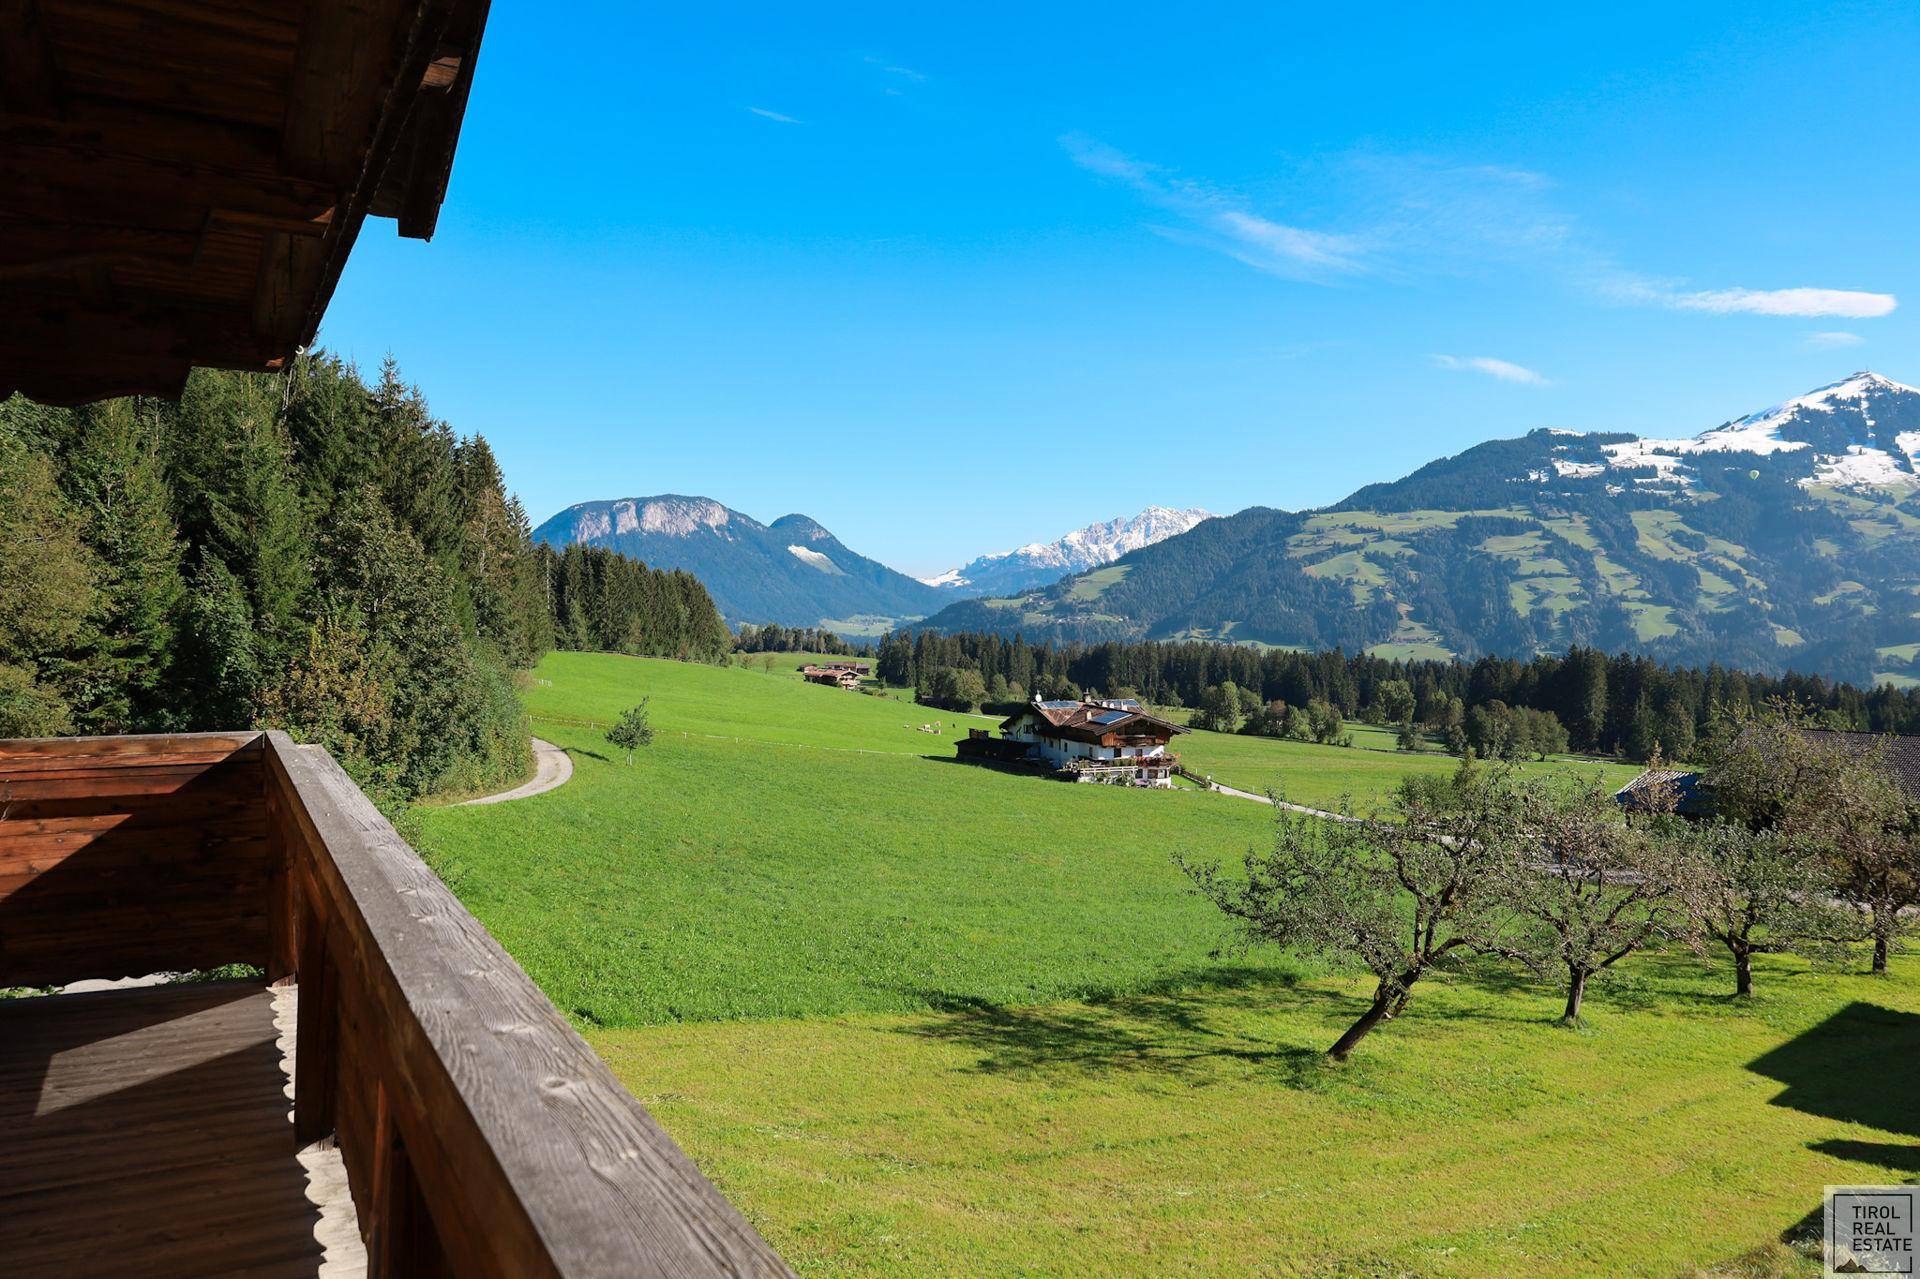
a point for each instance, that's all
(143, 233)
(410, 160)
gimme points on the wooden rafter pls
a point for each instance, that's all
(27, 79)
(182, 184)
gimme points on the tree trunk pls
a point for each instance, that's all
(1381, 1009)
(1880, 953)
(1742, 973)
(1576, 991)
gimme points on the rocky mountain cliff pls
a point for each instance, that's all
(792, 571)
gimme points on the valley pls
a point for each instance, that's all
(822, 953)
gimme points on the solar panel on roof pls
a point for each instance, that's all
(1111, 717)
(1058, 706)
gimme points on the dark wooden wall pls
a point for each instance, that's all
(121, 856)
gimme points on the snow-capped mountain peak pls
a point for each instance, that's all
(1042, 563)
(1105, 542)
(1862, 431)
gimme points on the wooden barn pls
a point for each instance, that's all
(845, 675)
(181, 185)
(1690, 792)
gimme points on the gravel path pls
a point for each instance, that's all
(1264, 799)
(553, 768)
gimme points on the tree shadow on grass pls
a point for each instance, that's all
(1882, 1154)
(1855, 1067)
(581, 750)
(1173, 1028)
(1658, 981)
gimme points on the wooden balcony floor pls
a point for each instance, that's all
(146, 1132)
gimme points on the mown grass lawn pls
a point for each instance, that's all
(922, 1018)
(785, 849)
(1200, 1133)
(1319, 775)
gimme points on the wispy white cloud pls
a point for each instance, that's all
(1505, 370)
(765, 114)
(894, 69)
(1848, 303)
(1409, 217)
(1216, 220)
(1833, 338)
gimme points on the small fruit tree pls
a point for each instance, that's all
(632, 730)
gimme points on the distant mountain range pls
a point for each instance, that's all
(791, 571)
(1786, 538)
(1043, 563)
(796, 573)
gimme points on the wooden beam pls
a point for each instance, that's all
(436, 130)
(56, 326)
(316, 1079)
(56, 184)
(98, 381)
(28, 81)
(344, 64)
(413, 47)
(148, 132)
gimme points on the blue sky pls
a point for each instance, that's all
(954, 279)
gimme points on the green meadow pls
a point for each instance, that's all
(920, 1018)
(1319, 776)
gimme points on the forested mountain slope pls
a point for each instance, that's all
(1786, 538)
(791, 571)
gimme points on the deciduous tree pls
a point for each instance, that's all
(1400, 895)
(1752, 892)
(1593, 888)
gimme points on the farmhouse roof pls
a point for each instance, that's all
(1901, 755)
(1693, 790)
(1094, 717)
(1687, 789)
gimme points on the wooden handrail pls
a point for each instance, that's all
(481, 1134)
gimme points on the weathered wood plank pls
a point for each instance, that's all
(316, 1083)
(129, 744)
(516, 1131)
(145, 1131)
(28, 79)
(125, 856)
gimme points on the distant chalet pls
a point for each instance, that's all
(845, 675)
(1691, 793)
(1112, 741)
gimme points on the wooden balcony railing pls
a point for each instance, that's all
(479, 1134)
(1125, 763)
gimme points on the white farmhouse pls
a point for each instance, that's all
(1085, 741)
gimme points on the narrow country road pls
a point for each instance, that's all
(553, 768)
(1265, 799)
